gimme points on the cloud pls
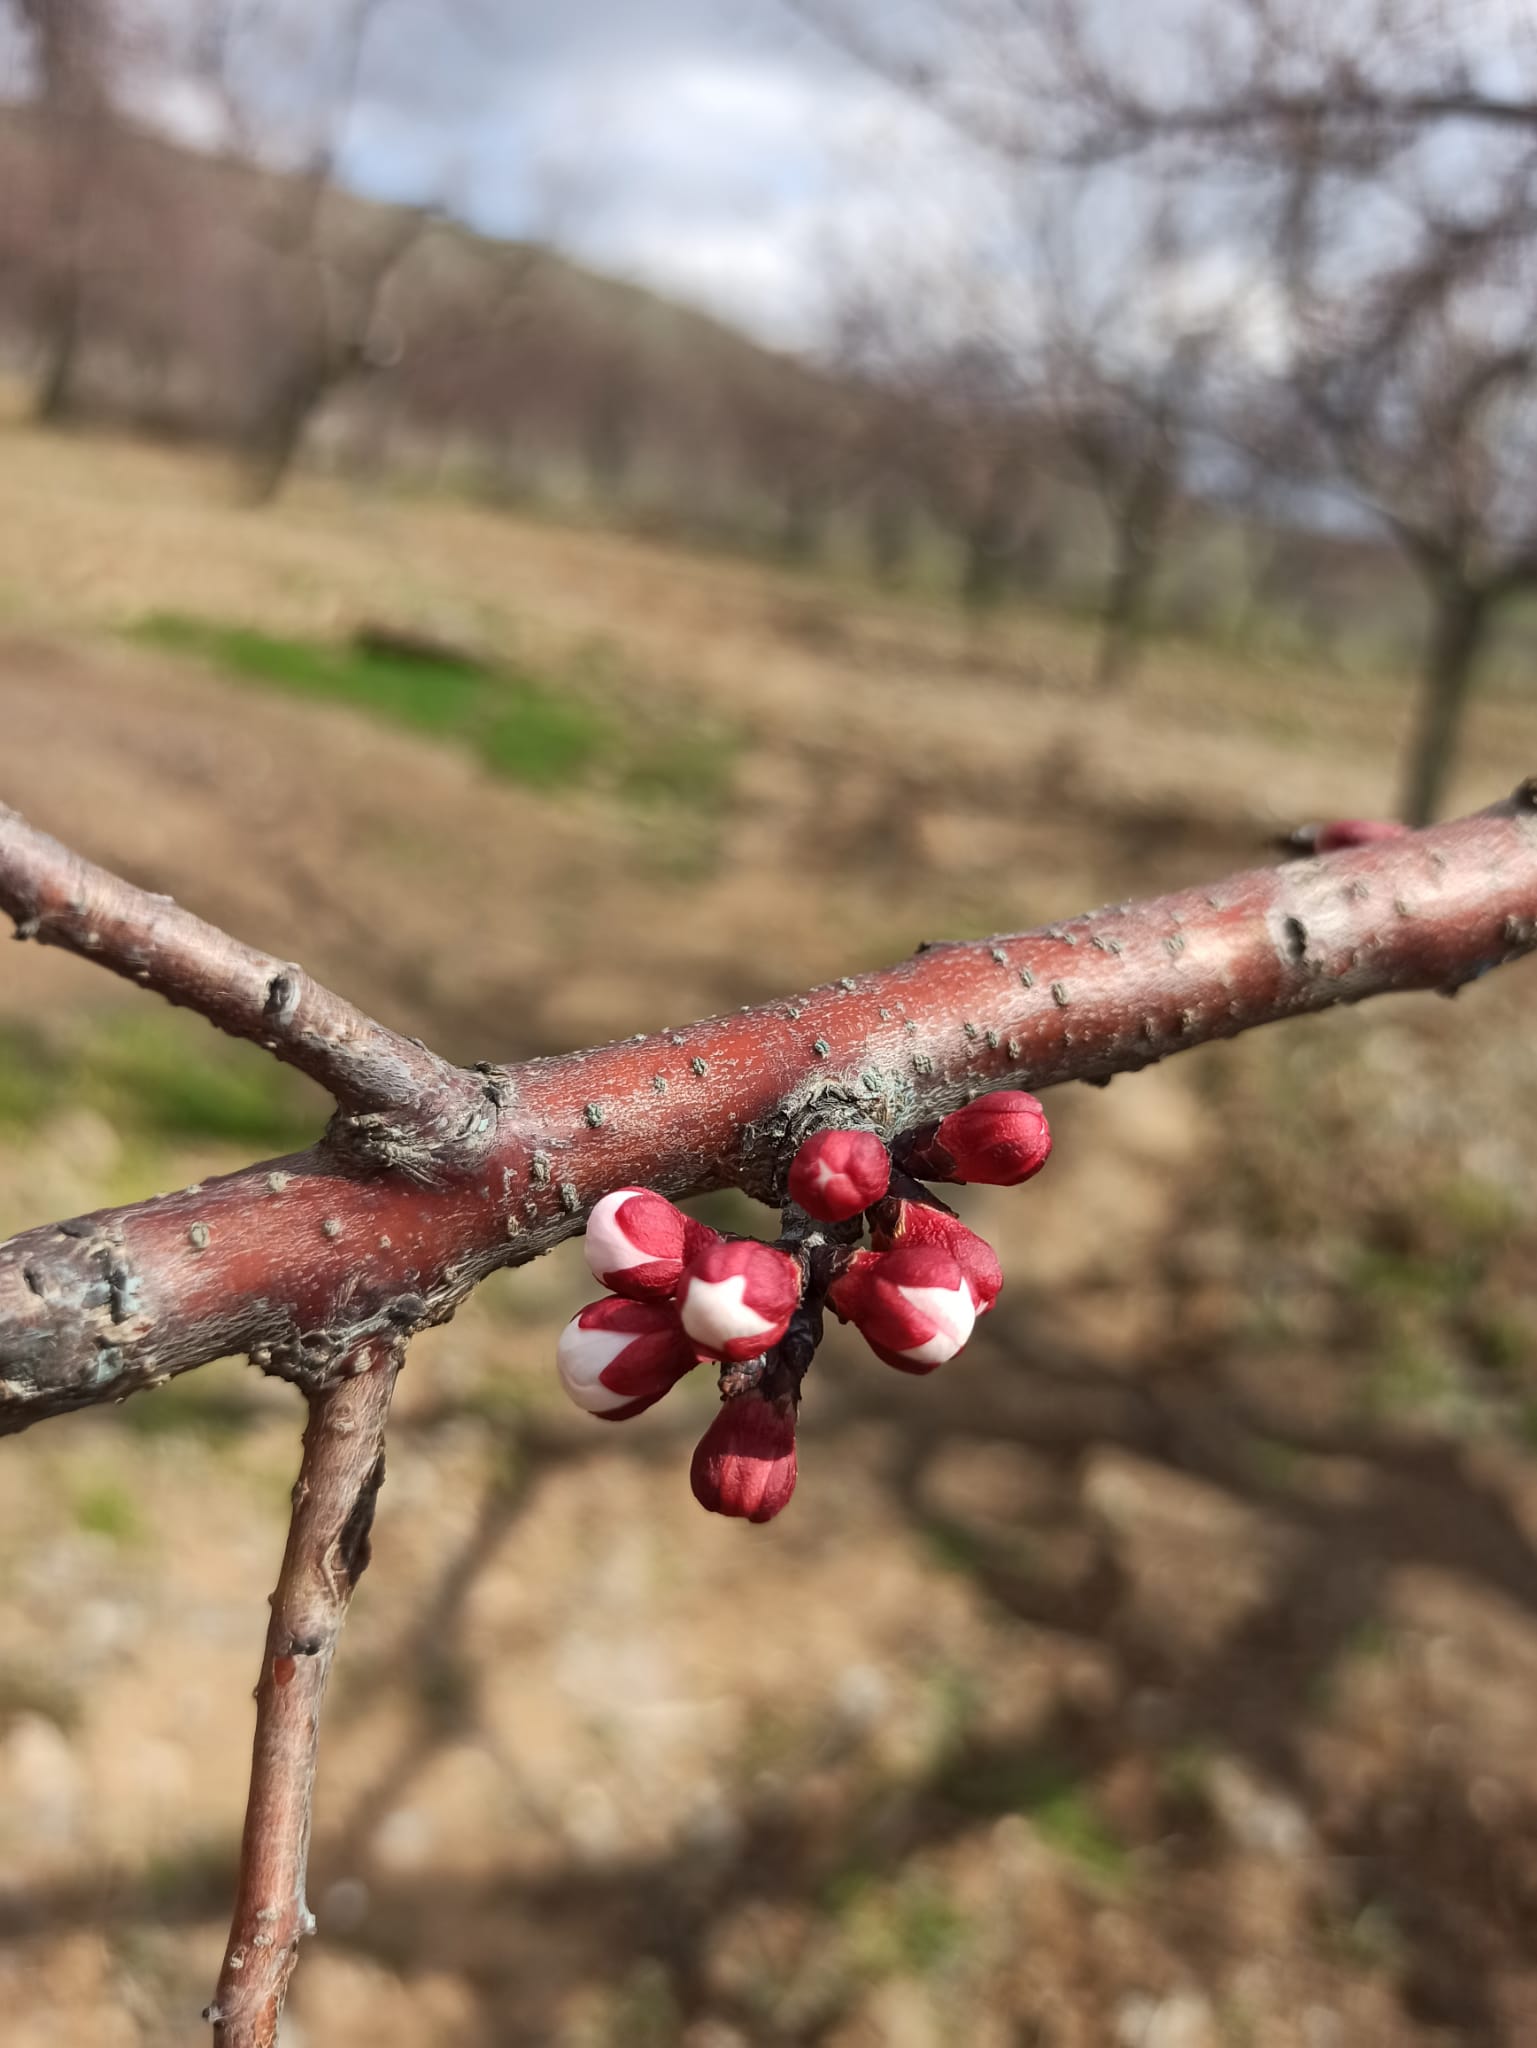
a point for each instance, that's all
(715, 149)
(707, 147)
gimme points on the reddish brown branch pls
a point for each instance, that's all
(60, 899)
(339, 1479)
(321, 1265)
(296, 1261)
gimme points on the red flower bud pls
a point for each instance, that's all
(637, 1243)
(1344, 832)
(617, 1357)
(737, 1299)
(835, 1174)
(913, 1308)
(904, 1224)
(744, 1464)
(995, 1142)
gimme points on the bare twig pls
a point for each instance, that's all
(60, 899)
(328, 1549)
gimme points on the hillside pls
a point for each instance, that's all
(215, 301)
(200, 278)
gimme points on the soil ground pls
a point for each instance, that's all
(1159, 1676)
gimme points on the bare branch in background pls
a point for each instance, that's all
(1358, 165)
(73, 56)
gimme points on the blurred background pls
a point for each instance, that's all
(567, 519)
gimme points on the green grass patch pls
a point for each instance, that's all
(540, 739)
(432, 697)
(105, 1508)
(1064, 1817)
(208, 1089)
(522, 728)
(952, 1548)
(1184, 1775)
(1273, 1464)
(1415, 1381)
(643, 2012)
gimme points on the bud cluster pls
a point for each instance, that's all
(681, 1294)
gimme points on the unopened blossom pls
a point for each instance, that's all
(836, 1174)
(902, 1225)
(914, 1308)
(637, 1243)
(745, 1462)
(997, 1142)
(616, 1357)
(1343, 832)
(736, 1299)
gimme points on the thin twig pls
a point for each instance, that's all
(327, 1551)
(60, 899)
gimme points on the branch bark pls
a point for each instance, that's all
(433, 1177)
(328, 1551)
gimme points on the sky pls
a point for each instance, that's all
(723, 151)
(720, 150)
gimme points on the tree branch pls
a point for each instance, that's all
(322, 1265)
(327, 1553)
(378, 1231)
(60, 899)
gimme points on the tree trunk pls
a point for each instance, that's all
(985, 570)
(889, 534)
(802, 522)
(54, 398)
(1124, 617)
(275, 438)
(1459, 626)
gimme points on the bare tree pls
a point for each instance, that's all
(72, 56)
(1432, 418)
(325, 304)
(1125, 374)
(1374, 162)
(945, 414)
(320, 271)
(984, 464)
(1402, 196)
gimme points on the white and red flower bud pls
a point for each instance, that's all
(744, 1464)
(737, 1299)
(637, 1243)
(995, 1142)
(836, 1174)
(902, 1225)
(914, 1308)
(616, 1357)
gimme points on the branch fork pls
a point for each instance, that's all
(320, 1266)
